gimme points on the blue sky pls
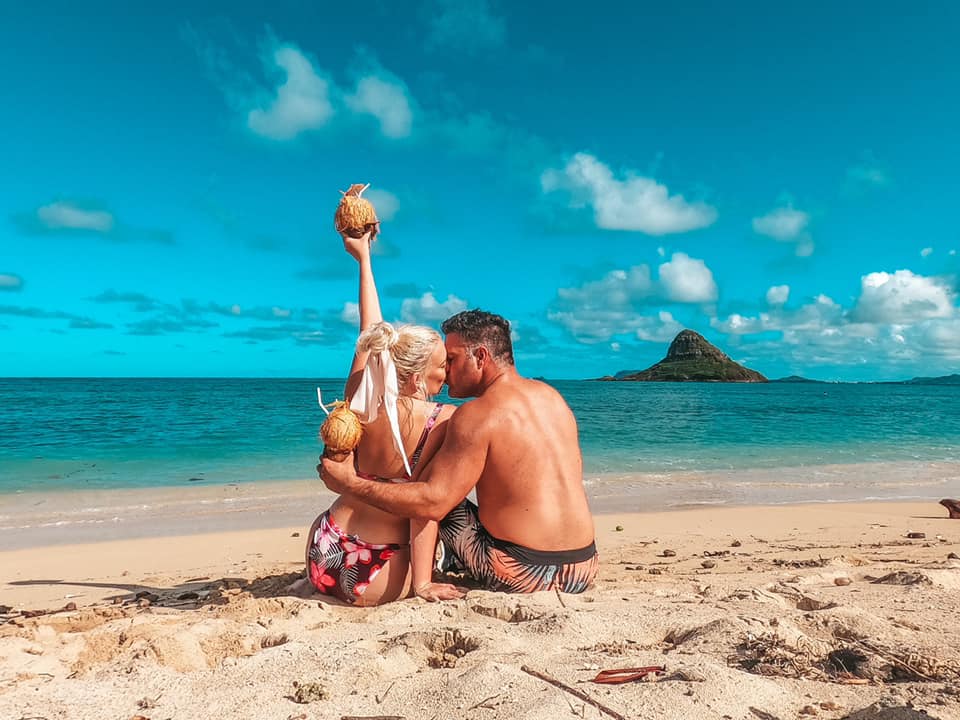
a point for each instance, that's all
(781, 179)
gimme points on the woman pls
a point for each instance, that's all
(356, 552)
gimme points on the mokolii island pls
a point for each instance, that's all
(692, 358)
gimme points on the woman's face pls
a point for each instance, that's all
(436, 371)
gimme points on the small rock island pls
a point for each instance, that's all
(691, 358)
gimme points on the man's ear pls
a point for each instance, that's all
(480, 355)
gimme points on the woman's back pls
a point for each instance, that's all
(377, 456)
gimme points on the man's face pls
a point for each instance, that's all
(463, 375)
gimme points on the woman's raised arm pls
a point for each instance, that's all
(369, 299)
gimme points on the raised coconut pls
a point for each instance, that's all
(355, 214)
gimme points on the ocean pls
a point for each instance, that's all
(656, 444)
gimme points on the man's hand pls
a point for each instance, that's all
(359, 247)
(432, 591)
(337, 476)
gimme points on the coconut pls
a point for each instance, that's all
(340, 432)
(355, 214)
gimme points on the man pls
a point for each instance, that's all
(517, 444)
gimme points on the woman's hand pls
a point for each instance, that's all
(432, 591)
(359, 247)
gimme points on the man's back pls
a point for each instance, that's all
(531, 489)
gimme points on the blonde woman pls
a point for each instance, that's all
(356, 552)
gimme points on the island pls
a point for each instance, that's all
(691, 358)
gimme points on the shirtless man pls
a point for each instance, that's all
(517, 444)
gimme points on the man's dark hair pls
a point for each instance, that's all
(477, 327)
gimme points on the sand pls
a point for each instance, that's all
(742, 606)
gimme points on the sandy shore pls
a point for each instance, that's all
(743, 606)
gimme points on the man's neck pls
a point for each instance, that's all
(502, 374)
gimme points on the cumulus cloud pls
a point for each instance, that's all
(786, 224)
(601, 309)
(68, 216)
(618, 288)
(926, 252)
(350, 314)
(867, 174)
(11, 282)
(778, 295)
(783, 224)
(687, 280)
(899, 320)
(386, 100)
(300, 103)
(632, 203)
(660, 328)
(385, 202)
(468, 26)
(427, 309)
(902, 297)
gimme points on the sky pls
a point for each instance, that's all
(781, 178)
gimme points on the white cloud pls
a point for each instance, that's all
(737, 324)
(634, 203)
(778, 295)
(68, 216)
(784, 224)
(427, 308)
(279, 312)
(867, 175)
(600, 309)
(385, 202)
(661, 328)
(926, 252)
(300, 103)
(465, 25)
(615, 346)
(902, 297)
(350, 314)
(618, 288)
(10, 282)
(823, 315)
(595, 324)
(387, 101)
(687, 280)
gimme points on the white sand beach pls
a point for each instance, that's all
(825, 610)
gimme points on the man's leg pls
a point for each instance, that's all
(953, 508)
(467, 541)
(507, 567)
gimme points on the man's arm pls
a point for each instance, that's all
(443, 483)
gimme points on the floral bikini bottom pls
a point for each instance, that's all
(344, 565)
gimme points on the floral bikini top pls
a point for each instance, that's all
(414, 459)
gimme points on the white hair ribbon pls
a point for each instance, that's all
(379, 385)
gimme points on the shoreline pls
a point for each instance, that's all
(54, 518)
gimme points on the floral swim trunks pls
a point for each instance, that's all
(345, 563)
(508, 567)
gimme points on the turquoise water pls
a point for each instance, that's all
(60, 434)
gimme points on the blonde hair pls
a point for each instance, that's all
(410, 346)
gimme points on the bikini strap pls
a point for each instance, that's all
(431, 421)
